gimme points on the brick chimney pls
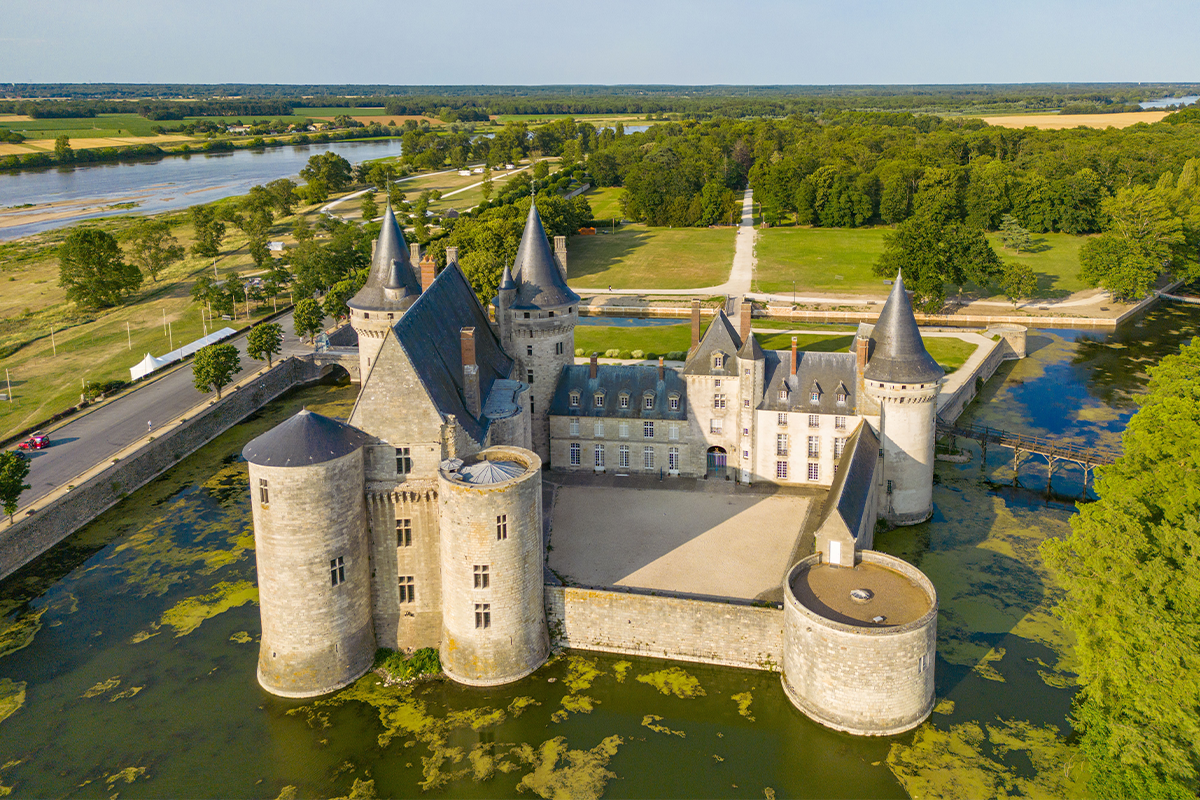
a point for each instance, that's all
(414, 252)
(744, 320)
(451, 255)
(662, 371)
(470, 372)
(594, 366)
(861, 343)
(428, 271)
(794, 354)
(695, 324)
(560, 255)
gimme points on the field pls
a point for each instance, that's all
(1056, 263)
(827, 260)
(1055, 122)
(605, 203)
(638, 257)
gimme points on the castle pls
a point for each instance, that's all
(420, 522)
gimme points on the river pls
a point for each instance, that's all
(166, 184)
(127, 654)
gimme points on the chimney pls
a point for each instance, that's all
(592, 368)
(860, 346)
(662, 371)
(451, 255)
(428, 271)
(695, 324)
(560, 255)
(794, 355)
(414, 252)
(744, 319)
(470, 371)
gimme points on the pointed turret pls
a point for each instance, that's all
(899, 354)
(392, 283)
(539, 282)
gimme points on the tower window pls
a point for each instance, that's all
(714, 426)
(558, 348)
(502, 527)
(529, 376)
(528, 349)
(404, 533)
(526, 315)
(718, 401)
(337, 571)
(264, 495)
(482, 576)
(408, 592)
(531, 409)
(483, 615)
(403, 461)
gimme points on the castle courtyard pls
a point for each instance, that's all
(709, 544)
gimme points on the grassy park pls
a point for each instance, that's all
(1055, 261)
(605, 203)
(638, 257)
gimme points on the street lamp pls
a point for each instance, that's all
(793, 293)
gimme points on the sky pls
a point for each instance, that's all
(537, 42)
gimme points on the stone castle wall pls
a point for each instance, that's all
(535, 346)
(666, 627)
(410, 552)
(1010, 346)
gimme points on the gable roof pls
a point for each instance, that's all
(846, 504)
(392, 283)
(827, 371)
(430, 333)
(899, 355)
(614, 379)
(720, 337)
(750, 349)
(539, 283)
(302, 440)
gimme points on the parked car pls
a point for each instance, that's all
(39, 441)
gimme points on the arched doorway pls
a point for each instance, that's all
(716, 462)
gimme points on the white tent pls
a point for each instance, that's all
(146, 366)
(150, 363)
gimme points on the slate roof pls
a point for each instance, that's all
(429, 332)
(613, 380)
(303, 440)
(391, 270)
(828, 371)
(539, 283)
(750, 349)
(899, 355)
(847, 498)
(720, 337)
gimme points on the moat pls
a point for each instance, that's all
(127, 655)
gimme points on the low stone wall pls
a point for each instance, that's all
(682, 313)
(34, 535)
(952, 406)
(704, 631)
(949, 320)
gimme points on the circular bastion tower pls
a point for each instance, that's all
(310, 538)
(493, 615)
(904, 380)
(859, 643)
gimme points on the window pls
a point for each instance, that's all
(814, 446)
(623, 461)
(624, 400)
(599, 453)
(841, 398)
(526, 315)
(814, 471)
(558, 348)
(502, 527)
(598, 400)
(648, 401)
(745, 431)
(404, 533)
(673, 433)
(337, 571)
(718, 401)
(673, 459)
(839, 445)
(746, 372)
(482, 576)
(408, 592)
(528, 349)
(647, 430)
(714, 426)
(746, 454)
(529, 376)
(598, 428)
(648, 458)
(889, 487)
(814, 396)
(839, 423)
(781, 470)
(814, 421)
(782, 420)
(574, 426)
(717, 382)
(783, 394)
(623, 430)
(575, 454)
(674, 402)
(264, 495)
(483, 615)
(781, 444)
(403, 461)
(746, 403)
(718, 360)
(531, 404)
(574, 399)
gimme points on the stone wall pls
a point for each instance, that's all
(32, 536)
(951, 406)
(708, 632)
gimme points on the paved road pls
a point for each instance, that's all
(96, 436)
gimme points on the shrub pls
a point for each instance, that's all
(676, 355)
(579, 352)
(612, 353)
(638, 354)
(402, 668)
(625, 354)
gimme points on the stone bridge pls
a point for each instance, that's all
(324, 361)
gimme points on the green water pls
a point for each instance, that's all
(127, 655)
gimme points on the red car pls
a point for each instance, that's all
(39, 441)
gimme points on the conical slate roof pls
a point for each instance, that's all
(304, 440)
(506, 280)
(750, 349)
(539, 283)
(900, 355)
(392, 283)
(491, 472)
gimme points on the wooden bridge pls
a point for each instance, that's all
(1181, 298)
(1023, 446)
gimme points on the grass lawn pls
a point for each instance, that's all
(605, 203)
(98, 127)
(834, 260)
(1056, 263)
(638, 257)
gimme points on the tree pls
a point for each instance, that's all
(330, 168)
(283, 192)
(307, 318)
(486, 186)
(932, 255)
(1013, 235)
(1144, 239)
(214, 366)
(1131, 575)
(334, 304)
(482, 269)
(1018, 281)
(208, 231)
(370, 209)
(152, 246)
(91, 269)
(13, 471)
(62, 149)
(265, 341)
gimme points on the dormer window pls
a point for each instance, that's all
(718, 360)
(624, 399)
(783, 394)
(574, 399)
(814, 396)
(598, 399)
(841, 398)
(648, 401)
(673, 401)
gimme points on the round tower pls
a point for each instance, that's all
(392, 286)
(310, 537)
(905, 381)
(859, 643)
(537, 314)
(493, 614)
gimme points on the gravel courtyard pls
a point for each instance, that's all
(698, 543)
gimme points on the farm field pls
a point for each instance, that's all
(638, 257)
(1055, 122)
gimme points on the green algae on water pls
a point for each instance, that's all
(674, 680)
(12, 697)
(651, 721)
(583, 774)
(743, 700)
(189, 613)
(620, 669)
(129, 775)
(103, 686)
(18, 632)
(241, 637)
